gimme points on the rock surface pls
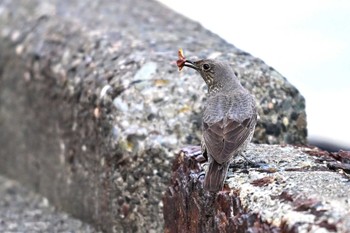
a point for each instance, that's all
(93, 107)
(22, 210)
(295, 190)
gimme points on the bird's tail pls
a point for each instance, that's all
(215, 176)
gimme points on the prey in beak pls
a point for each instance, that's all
(182, 61)
(190, 64)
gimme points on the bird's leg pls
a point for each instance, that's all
(196, 152)
(204, 150)
(204, 163)
(249, 162)
(200, 175)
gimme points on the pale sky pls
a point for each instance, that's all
(308, 42)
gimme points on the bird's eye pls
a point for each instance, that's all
(206, 67)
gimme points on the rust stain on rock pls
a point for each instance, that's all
(188, 208)
(263, 181)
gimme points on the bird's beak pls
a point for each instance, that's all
(190, 64)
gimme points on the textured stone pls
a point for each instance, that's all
(93, 107)
(22, 210)
(294, 190)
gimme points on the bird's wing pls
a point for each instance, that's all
(224, 137)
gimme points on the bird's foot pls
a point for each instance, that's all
(247, 161)
(195, 152)
(201, 175)
(251, 163)
(245, 164)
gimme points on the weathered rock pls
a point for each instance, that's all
(93, 107)
(22, 210)
(295, 191)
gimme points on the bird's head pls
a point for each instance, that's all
(216, 74)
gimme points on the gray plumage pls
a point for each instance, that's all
(229, 119)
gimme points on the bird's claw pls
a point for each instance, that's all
(194, 152)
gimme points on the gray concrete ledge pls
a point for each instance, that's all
(93, 108)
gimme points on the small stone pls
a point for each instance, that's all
(185, 109)
(27, 76)
(104, 90)
(15, 35)
(44, 202)
(270, 105)
(120, 104)
(102, 161)
(160, 82)
(146, 71)
(115, 132)
(97, 112)
(274, 119)
(19, 49)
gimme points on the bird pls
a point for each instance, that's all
(229, 118)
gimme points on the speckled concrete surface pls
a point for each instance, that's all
(95, 106)
(23, 211)
(301, 190)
